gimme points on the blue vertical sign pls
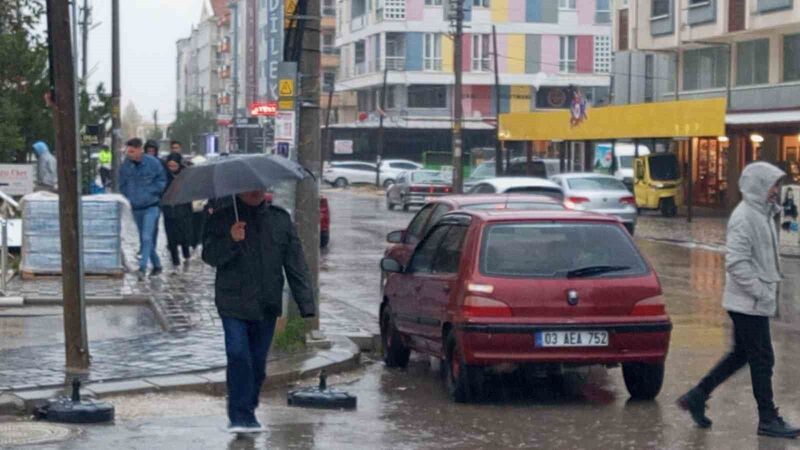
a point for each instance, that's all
(274, 37)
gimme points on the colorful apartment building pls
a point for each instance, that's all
(546, 50)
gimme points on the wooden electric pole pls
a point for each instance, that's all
(498, 145)
(308, 146)
(458, 168)
(66, 146)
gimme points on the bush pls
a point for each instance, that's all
(292, 338)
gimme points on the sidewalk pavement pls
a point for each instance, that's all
(188, 353)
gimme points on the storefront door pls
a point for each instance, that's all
(711, 173)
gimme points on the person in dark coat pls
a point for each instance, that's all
(251, 256)
(178, 218)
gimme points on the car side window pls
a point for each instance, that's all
(422, 261)
(484, 189)
(415, 228)
(365, 167)
(437, 214)
(448, 257)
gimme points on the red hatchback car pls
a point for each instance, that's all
(542, 290)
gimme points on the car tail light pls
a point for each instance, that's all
(578, 200)
(475, 306)
(653, 306)
(416, 189)
(629, 200)
(447, 190)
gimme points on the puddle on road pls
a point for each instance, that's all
(43, 325)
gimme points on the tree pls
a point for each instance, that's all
(189, 124)
(155, 133)
(95, 109)
(131, 121)
(24, 117)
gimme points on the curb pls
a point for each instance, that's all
(343, 355)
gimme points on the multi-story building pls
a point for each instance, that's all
(747, 51)
(546, 49)
(342, 104)
(198, 82)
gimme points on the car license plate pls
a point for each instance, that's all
(572, 338)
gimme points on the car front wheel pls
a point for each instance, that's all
(340, 182)
(643, 380)
(388, 183)
(395, 352)
(464, 382)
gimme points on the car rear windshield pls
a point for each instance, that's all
(540, 206)
(551, 192)
(595, 184)
(431, 176)
(558, 250)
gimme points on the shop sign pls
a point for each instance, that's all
(17, 179)
(265, 109)
(342, 147)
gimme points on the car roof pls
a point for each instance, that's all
(510, 182)
(584, 175)
(523, 215)
(459, 201)
(400, 161)
(333, 163)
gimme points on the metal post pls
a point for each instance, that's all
(381, 141)
(66, 144)
(235, 137)
(458, 168)
(87, 14)
(690, 198)
(328, 150)
(498, 145)
(116, 117)
(4, 256)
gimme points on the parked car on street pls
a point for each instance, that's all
(599, 193)
(413, 187)
(518, 185)
(541, 291)
(392, 168)
(540, 168)
(344, 173)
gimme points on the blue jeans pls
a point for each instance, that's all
(246, 346)
(147, 223)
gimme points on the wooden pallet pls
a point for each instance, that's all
(27, 275)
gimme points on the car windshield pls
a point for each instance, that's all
(552, 192)
(485, 170)
(559, 250)
(431, 176)
(664, 167)
(595, 184)
(625, 162)
(540, 206)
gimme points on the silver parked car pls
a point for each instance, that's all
(599, 193)
(413, 187)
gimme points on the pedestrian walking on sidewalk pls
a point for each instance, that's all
(251, 255)
(151, 148)
(46, 175)
(104, 160)
(142, 181)
(753, 274)
(178, 218)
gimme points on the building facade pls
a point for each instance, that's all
(546, 50)
(198, 81)
(747, 51)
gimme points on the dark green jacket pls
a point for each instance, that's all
(250, 274)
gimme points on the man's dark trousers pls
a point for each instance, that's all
(752, 345)
(246, 346)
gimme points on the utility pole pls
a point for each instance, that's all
(66, 145)
(498, 146)
(235, 135)
(458, 168)
(155, 120)
(328, 143)
(308, 148)
(381, 141)
(116, 120)
(87, 17)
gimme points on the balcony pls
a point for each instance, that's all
(395, 63)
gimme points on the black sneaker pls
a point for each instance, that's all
(695, 402)
(156, 271)
(777, 427)
(140, 275)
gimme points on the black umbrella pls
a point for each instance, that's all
(228, 176)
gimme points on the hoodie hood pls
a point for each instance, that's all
(756, 180)
(40, 148)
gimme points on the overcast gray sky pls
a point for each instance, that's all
(148, 31)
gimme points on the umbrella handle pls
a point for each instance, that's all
(235, 208)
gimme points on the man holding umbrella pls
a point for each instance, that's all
(251, 244)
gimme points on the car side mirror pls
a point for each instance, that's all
(391, 265)
(395, 237)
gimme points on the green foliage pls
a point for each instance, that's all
(155, 134)
(190, 124)
(292, 338)
(95, 108)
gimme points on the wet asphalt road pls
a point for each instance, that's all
(401, 409)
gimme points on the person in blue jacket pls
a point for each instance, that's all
(142, 181)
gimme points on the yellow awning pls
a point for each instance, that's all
(683, 118)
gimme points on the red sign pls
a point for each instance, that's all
(264, 109)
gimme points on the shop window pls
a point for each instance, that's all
(791, 57)
(427, 96)
(480, 52)
(432, 52)
(649, 88)
(705, 68)
(752, 62)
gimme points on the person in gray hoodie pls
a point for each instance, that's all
(753, 273)
(46, 176)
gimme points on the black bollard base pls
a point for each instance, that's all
(64, 410)
(321, 397)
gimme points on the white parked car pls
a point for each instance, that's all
(518, 185)
(392, 168)
(599, 193)
(344, 173)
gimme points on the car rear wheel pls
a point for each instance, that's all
(643, 380)
(464, 382)
(406, 206)
(388, 183)
(395, 352)
(340, 182)
(668, 208)
(324, 238)
(389, 204)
